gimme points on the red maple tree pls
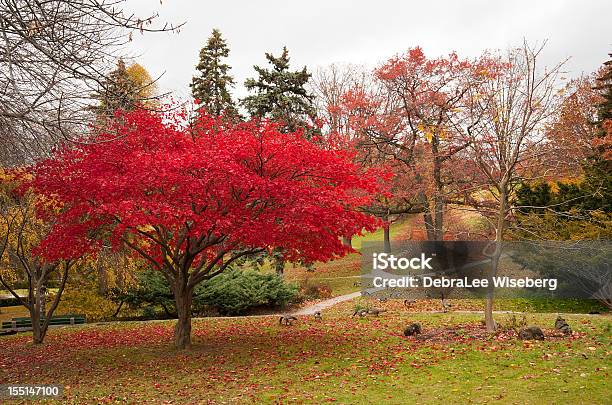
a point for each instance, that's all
(191, 199)
(433, 103)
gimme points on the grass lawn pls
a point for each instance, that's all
(342, 360)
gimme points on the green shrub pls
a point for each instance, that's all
(230, 293)
(149, 313)
(236, 291)
(150, 292)
(9, 302)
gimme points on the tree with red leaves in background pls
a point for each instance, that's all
(191, 199)
(432, 99)
(572, 130)
(372, 119)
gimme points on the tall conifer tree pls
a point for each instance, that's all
(211, 86)
(120, 92)
(280, 94)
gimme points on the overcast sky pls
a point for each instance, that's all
(320, 32)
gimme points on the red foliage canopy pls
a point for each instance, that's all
(159, 186)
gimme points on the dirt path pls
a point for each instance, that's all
(326, 304)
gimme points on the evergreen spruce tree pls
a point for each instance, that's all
(119, 92)
(213, 81)
(279, 94)
(598, 169)
(604, 86)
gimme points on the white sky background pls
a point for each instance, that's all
(318, 32)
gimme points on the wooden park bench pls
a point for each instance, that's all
(25, 323)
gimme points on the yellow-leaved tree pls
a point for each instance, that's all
(146, 88)
(22, 231)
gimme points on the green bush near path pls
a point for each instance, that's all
(233, 292)
(236, 291)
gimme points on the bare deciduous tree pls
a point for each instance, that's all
(509, 144)
(329, 85)
(53, 55)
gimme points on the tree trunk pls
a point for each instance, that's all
(279, 265)
(38, 275)
(429, 227)
(183, 297)
(118, 309)
(48, 314)
(438, 198)
(386, 234)
(489, 321)
(102, 275)
(501, 215)
(42, 300)
(36, 308)
(387, 239)
(427, 218)
(439, 218)
(348, 241)
(37, 336)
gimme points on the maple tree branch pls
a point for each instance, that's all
(207, 276)
(58, 295)
(13, 293)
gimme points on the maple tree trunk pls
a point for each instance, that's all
(489, 321)
(183, 297)
(102, 278)
(36, 296)
(38, 305)
(37, 336)
(427, 218)
(279, 265)
(438, 218)
(348, 241)
(387, 239)
(118, 309)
